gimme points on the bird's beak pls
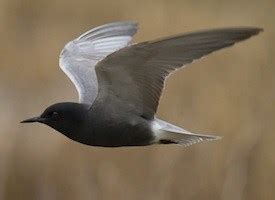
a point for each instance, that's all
(33, 119)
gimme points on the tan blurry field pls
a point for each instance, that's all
(230, 93)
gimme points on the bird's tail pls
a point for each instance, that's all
(166, 133)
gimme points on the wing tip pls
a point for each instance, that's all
(253, 30)
(245, 32)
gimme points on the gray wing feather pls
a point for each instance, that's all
(135, 75)
(79, 57)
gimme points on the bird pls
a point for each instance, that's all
(119, 84)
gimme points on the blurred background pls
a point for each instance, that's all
(230, 93)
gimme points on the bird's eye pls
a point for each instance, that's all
(54, 114)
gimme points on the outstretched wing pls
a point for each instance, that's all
(135, 75)
(79, 57)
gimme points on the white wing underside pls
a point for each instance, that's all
(79, 57)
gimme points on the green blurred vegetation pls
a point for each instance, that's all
(230, 93)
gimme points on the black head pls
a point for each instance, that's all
(64, 117)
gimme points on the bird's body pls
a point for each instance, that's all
(121, 127)
(120, 84)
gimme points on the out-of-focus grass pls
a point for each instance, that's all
(230, 93)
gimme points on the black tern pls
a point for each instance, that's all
(120, 84)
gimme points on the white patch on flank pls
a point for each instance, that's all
(157, 130)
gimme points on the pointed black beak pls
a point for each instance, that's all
(33, 119)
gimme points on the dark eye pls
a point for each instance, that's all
(54, 114)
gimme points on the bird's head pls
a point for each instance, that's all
(63, 117)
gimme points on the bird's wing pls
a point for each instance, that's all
(79, 57)
(135, 75)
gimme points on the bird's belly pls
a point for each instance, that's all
(122, 135)
(113, 127)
